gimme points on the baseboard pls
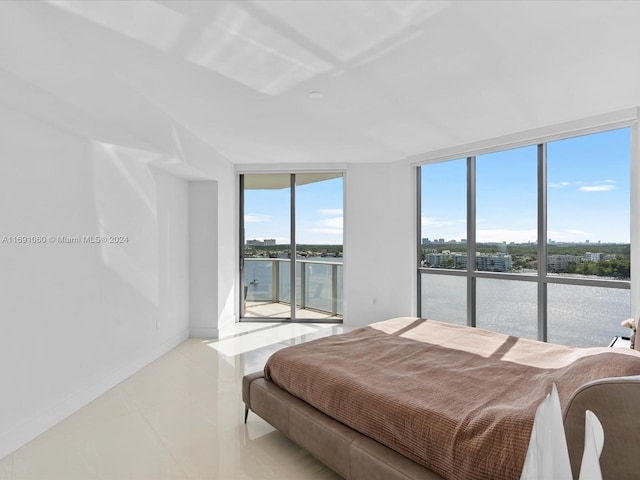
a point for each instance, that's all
(204, 332)
(34, 425)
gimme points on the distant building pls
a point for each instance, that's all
(425, 241)
(436, 259)
(561, 262)
(484, 261)
(493, 263)
(461, 262)
(593, 257)
(267, 242)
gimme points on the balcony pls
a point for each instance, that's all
(318, 289)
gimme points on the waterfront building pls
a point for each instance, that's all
(436, 259)
(267, 242)
(493, 262)
(593, 257)
(460, 262)
(561, 262)
(484, 261)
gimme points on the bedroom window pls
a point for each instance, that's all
(506, 209)
(548, 226)
(285, 217)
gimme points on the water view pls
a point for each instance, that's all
(585, 181)
(578, 315)
(577, 189)
(319, 281)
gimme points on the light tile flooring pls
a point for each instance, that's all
(179, 418)
(256, 309)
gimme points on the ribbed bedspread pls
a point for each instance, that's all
(457, 400)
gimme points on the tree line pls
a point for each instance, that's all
(526, 255)
(618, 267)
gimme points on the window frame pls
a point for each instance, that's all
(292, 172)
(623, 119)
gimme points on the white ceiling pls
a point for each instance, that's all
(398, 78)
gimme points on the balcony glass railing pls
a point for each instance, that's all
(318, 283)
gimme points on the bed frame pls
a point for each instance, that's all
(357, 457)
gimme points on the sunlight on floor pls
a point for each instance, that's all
(181, 417)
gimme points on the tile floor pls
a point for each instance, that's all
(280, 310)
(179, 418)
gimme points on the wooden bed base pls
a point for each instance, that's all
(356, 457)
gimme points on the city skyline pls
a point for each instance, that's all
(463, 241)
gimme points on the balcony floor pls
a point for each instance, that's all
(282, 310)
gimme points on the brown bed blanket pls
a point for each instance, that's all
(457, 400)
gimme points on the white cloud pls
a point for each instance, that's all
(570, 235)
(438, 222)
(331, 226)
(328, 231)
(330, 211)
(597, 188)
(603, 186)
(256, 217)
(559, 185)
(335, 222)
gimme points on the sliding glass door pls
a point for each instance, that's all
(285, 217)
(266, 246)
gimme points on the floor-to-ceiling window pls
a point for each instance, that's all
(287, 217)
(548, 229)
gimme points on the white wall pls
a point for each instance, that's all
(213, 235)
(228, 253)
(380, 248)
(76, 319)
(203, 259)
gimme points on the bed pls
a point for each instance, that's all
(411, 398)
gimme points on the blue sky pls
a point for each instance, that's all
(319, 213)
(587, 184)
(587, 193)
